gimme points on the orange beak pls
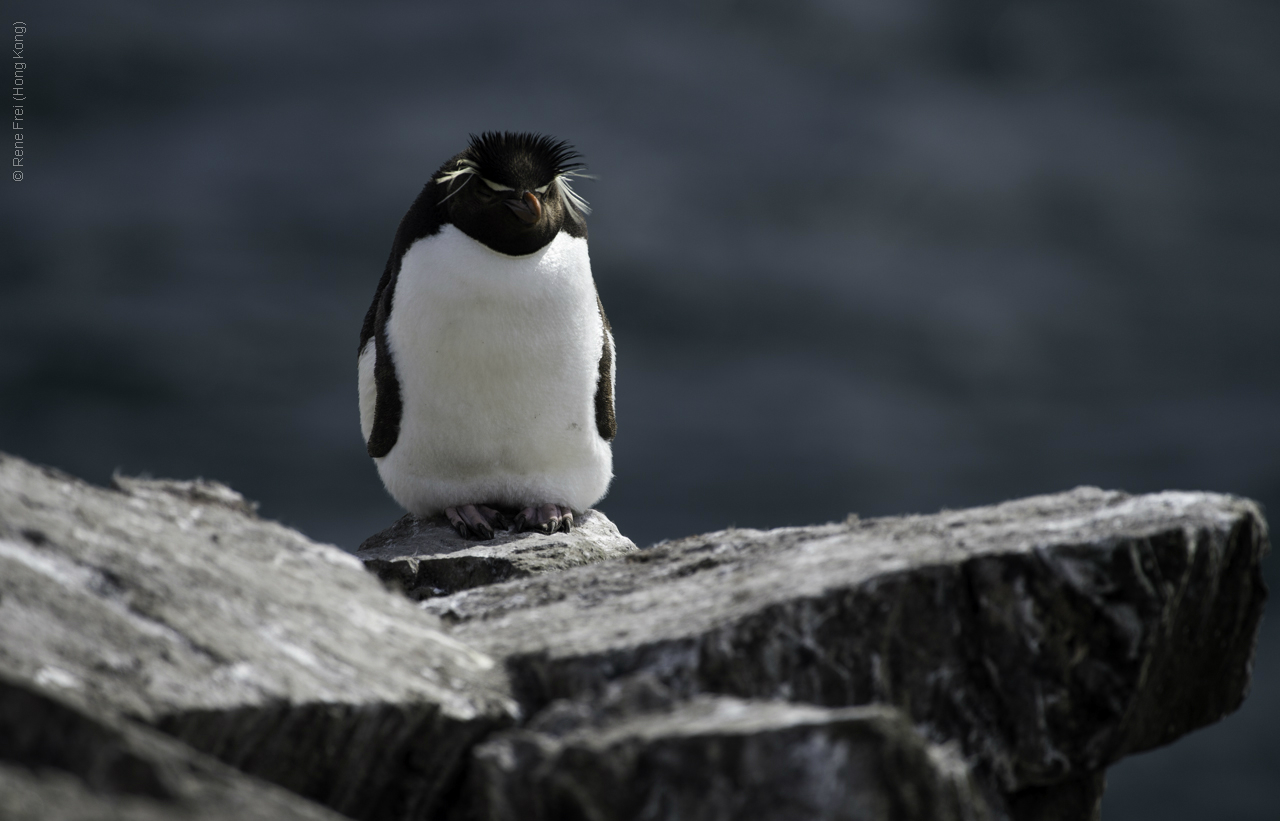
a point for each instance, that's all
(526, 207)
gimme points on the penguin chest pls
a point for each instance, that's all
(497, 356)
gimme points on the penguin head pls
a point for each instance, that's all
(511, 191)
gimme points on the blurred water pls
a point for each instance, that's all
(883, 257)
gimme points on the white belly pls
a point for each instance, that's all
(498, 359)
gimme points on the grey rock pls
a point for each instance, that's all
(59, 763)
(425, 557)
(978, 664)
(723, 758)
(170, 603)
(1048, 637)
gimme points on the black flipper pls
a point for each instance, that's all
(606, 420)
(387, 407)
(422, 220)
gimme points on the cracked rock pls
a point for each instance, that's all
(1048, 637)
(426, 557)
(716, 757)
(59, 762)
(984, 663)
(170, 603)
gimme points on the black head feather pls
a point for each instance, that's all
(520, 161)
(511, 158)
(480, 191)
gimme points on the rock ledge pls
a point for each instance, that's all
(426, 558)
(977, 664)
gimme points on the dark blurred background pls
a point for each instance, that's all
(882, 257)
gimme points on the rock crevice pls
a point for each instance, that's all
(979, 664)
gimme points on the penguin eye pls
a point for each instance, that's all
(493, 186)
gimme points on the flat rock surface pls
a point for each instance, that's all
(1048, 636)
(59, 763)
(725, 758)
(171, 603)
(425, 557)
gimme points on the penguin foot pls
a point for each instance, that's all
(546, 518)
(475, 521)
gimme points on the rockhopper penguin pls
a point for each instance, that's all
(486, 364)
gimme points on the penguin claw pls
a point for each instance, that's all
(546, 519)
(475, 521)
